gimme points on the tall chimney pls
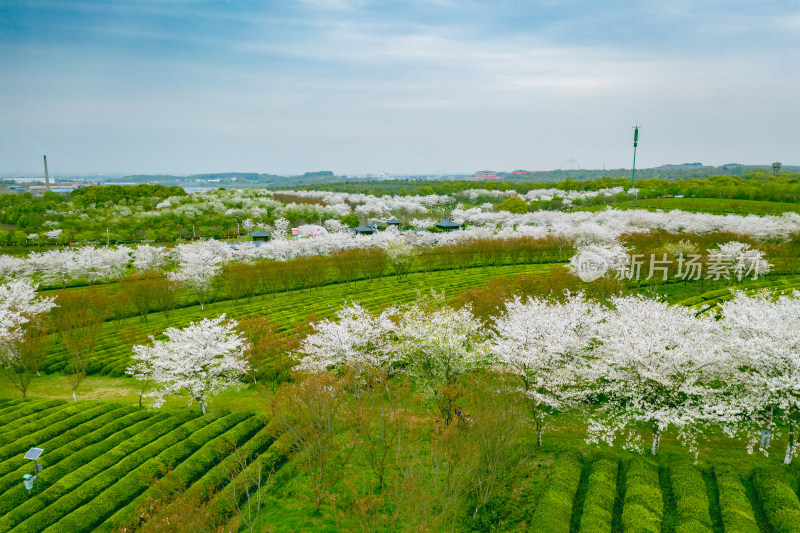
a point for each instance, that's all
(46, 175)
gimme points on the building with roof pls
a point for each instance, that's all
(260, 235)
(447, 225)
(364, 230)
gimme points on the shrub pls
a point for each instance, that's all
(779, 502)
(601, 493)
(691, 500)
(643, 507)
(735, 507)
(554, 512)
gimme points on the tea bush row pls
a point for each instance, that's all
(554, 511)
(734, 505)
(643, 506)
(601, 493)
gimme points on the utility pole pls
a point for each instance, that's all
(635, 144)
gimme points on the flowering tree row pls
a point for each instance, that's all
(57, 267)
(654, 365)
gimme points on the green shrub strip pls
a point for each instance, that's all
(63, 446)
(103, 495)
(735, 507)
(778, 501)
(91, 463)
(554, 511)
(51, 426)
(28, 414)
(643, 506)
(691, 500)
(601, 493)
(193, 467)
(11, 406)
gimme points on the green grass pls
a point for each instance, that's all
(718, 206)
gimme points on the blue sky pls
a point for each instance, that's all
(426, 86)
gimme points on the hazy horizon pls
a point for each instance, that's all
(417, 87)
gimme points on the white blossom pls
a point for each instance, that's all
(199, 361)
(356, 337)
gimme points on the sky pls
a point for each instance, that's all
(402, 87)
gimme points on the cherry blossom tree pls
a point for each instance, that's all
(198, 264)
(22, 331)
(198, 361)
(606, 260)
(657, 362)
(281, 228)
(544, 343)
(737, 260)
(53, 234)
(439, 345)
(356, 337)
(763, 341)
(146, 257)
(401, 256)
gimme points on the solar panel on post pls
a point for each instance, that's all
(34, 453)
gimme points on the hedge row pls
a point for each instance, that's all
(735, 507)
(601, 493)
(691, 500)
(193, 467)
(31, 411)
(643, 506)
(73, 441)
(15, 505)
(34, 421)
(102, 478)
(779, 502)
(50, 426)
(89, 463)
(554, 511)
(104, 494)
(11, 406)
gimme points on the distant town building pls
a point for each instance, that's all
(485, 175)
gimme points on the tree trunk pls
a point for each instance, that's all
(787, 460)
(656, 441)
(74, 398)
(202, 406)
(140, 399)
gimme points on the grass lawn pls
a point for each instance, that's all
(717, 206)
(122, 390)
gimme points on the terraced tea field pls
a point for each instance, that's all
(286, 309)
(98, 454)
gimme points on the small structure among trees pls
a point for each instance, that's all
(260, 236)
(447, 225)
(364, 230)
